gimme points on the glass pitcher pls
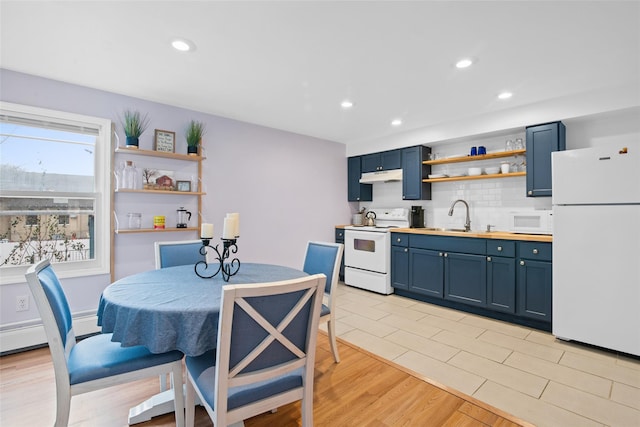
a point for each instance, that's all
(183, 218)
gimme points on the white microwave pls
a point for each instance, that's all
(531, 222)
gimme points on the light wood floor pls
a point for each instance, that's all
(362, 390)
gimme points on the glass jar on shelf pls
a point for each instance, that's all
(130, 176)
(135, 220)
(519, 144)
(508, 145)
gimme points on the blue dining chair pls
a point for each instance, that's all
(265, 352)
(184, 252)
(323, 257)
(96, 362)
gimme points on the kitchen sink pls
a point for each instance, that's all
(456, 230)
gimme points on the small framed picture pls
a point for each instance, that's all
(164, 141)
(183, 186)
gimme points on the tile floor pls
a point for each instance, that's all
(523, 371)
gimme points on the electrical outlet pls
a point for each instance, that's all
(22, 303)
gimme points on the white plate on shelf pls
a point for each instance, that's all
(456, 175)
(438, 175)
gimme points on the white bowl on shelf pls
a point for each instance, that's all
(474, 171)
(492, 170)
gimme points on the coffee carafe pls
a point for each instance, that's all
(183, 218)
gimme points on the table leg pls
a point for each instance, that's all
(159, 404)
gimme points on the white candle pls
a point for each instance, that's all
(236, 223)
(228, 231)
(206, 231)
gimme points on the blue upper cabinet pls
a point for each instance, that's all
(413, 171)
(542, 140)
(385, 160)
(357, 192)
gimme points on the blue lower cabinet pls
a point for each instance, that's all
(400, 267)
(534, 289)
(426, 272)
(465, 278)
(504, 279)
(501, 284)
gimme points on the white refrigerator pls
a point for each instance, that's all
(596, 246)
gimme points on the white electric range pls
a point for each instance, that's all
(367, 251)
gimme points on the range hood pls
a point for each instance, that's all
(381, 176)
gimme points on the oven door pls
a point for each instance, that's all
(367, 250)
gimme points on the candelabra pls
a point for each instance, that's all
(227, 269)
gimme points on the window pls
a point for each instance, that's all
(54, 191)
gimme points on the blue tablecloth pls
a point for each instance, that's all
(172, 308)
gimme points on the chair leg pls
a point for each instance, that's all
(190, 404)
(63, 406)
(163, 382)
(178, 395)
(306, 407)
(331, 328)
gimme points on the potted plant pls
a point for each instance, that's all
(195, 130)
(134, 125)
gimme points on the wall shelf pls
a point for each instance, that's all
(162, 192)
(488, 156)
(467, 178)
(151, 153)
(160, 205)
(153, 230)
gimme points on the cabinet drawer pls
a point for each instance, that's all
(339, 235)
(535, 250)
(399, 239)
(505, 248)
(465, 245)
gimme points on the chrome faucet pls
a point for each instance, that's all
(467, 223)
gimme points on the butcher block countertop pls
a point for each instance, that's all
(505, 235)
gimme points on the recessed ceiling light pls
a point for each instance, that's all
(346, 104)
(505, 95)
(183, 45)
(464, 63)
(396, 122)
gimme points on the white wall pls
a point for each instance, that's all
(287, 188)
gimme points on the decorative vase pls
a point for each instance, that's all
(132, 142)
(192, 150)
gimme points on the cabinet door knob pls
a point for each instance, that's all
(440, 254)
(499, 248)
(521, 262)
(488, 259)
(535, 251)
(446, 255)
(406, 250)
(399, 240)
(530, 192)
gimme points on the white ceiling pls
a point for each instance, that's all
(288, 65)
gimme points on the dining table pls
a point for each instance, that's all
(173, 309)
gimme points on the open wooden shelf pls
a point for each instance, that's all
(159, 154)
(153, 230)
(488, 156)
(163, 192)
(466, 177)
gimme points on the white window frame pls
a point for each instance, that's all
(101, 264)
